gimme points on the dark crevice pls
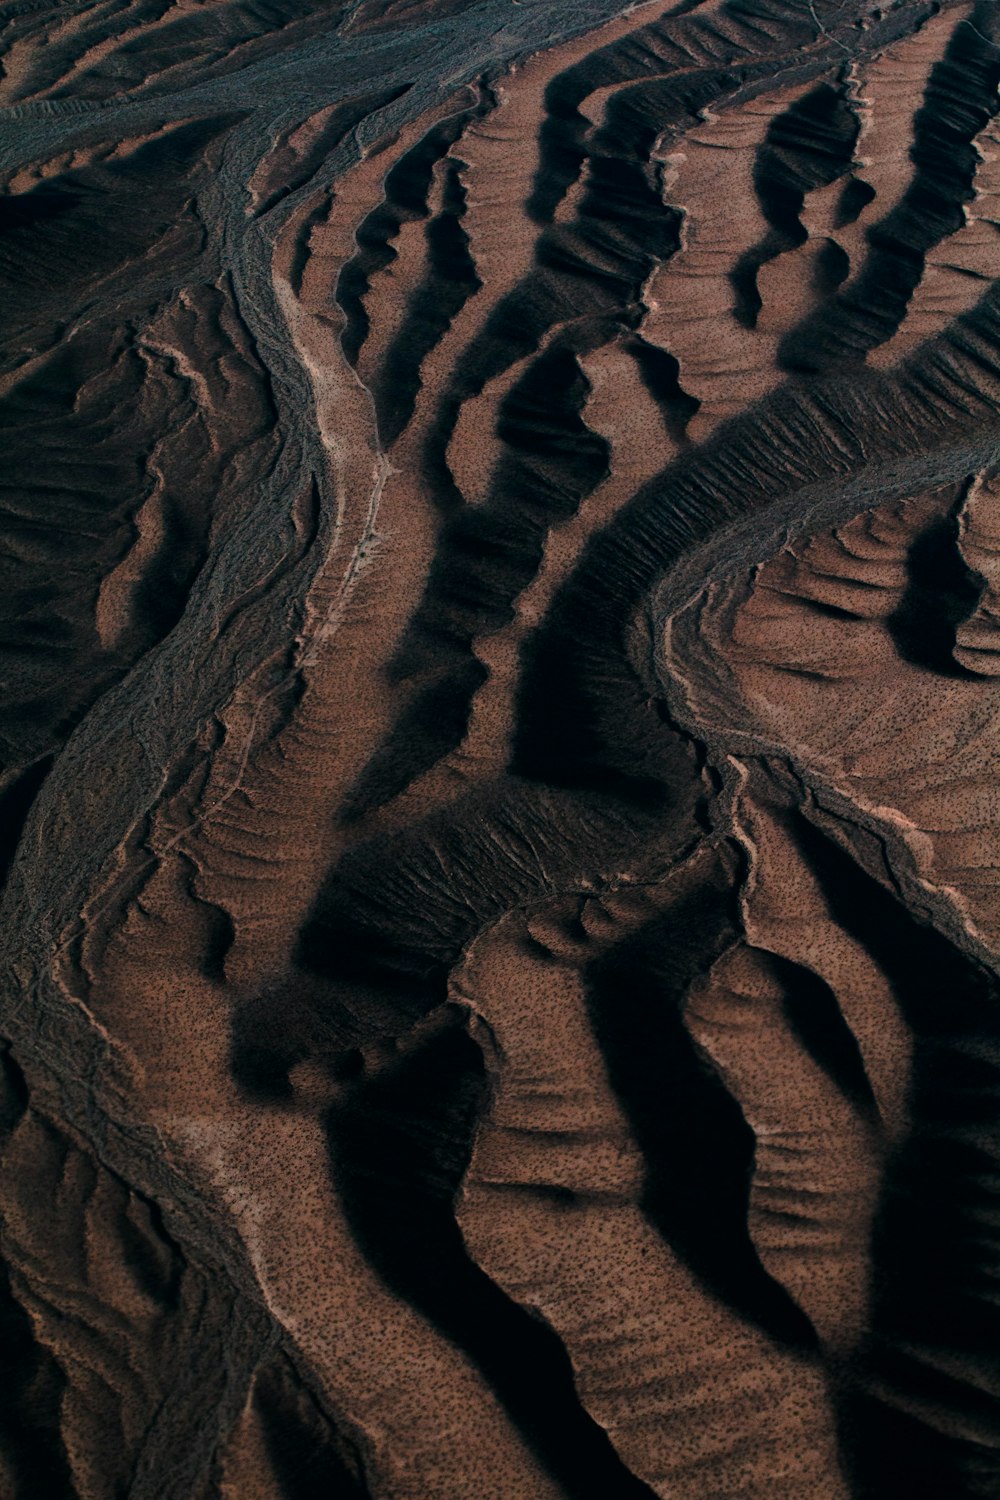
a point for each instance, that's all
(310, 1460)
(151, 1254)
(289, 172)
(588, 277)
(32, 1381)
(34, 1386)
(406, 193)
(816, 1019)
(16, 803)
(166, 583)
(400, 1143)
(301, 251)
(450, 281)
(959, 100)
(941, 591)
(660, 374)
(807, 147)
(403, 906)
(217, 932)
(689, 1127)
(925, 1413)
(855, 197)
(14, 1092)
(430, 727)
(550, 461)
(662, 53)
(586, 710)
(397, 910)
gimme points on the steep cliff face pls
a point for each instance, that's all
(500, 644)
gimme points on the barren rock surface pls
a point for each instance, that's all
(500, 656)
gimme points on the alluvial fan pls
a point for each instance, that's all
(500, 642)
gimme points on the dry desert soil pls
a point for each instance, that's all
(499, 625)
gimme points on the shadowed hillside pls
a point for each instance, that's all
(500, 541)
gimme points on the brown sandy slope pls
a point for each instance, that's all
(500, 643)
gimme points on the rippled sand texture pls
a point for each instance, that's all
(500, 638)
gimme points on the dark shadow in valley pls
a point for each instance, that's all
(924, 1417)
(697, 1146)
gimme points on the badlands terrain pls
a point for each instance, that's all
(500, 642)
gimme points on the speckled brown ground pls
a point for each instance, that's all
(500, 644)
